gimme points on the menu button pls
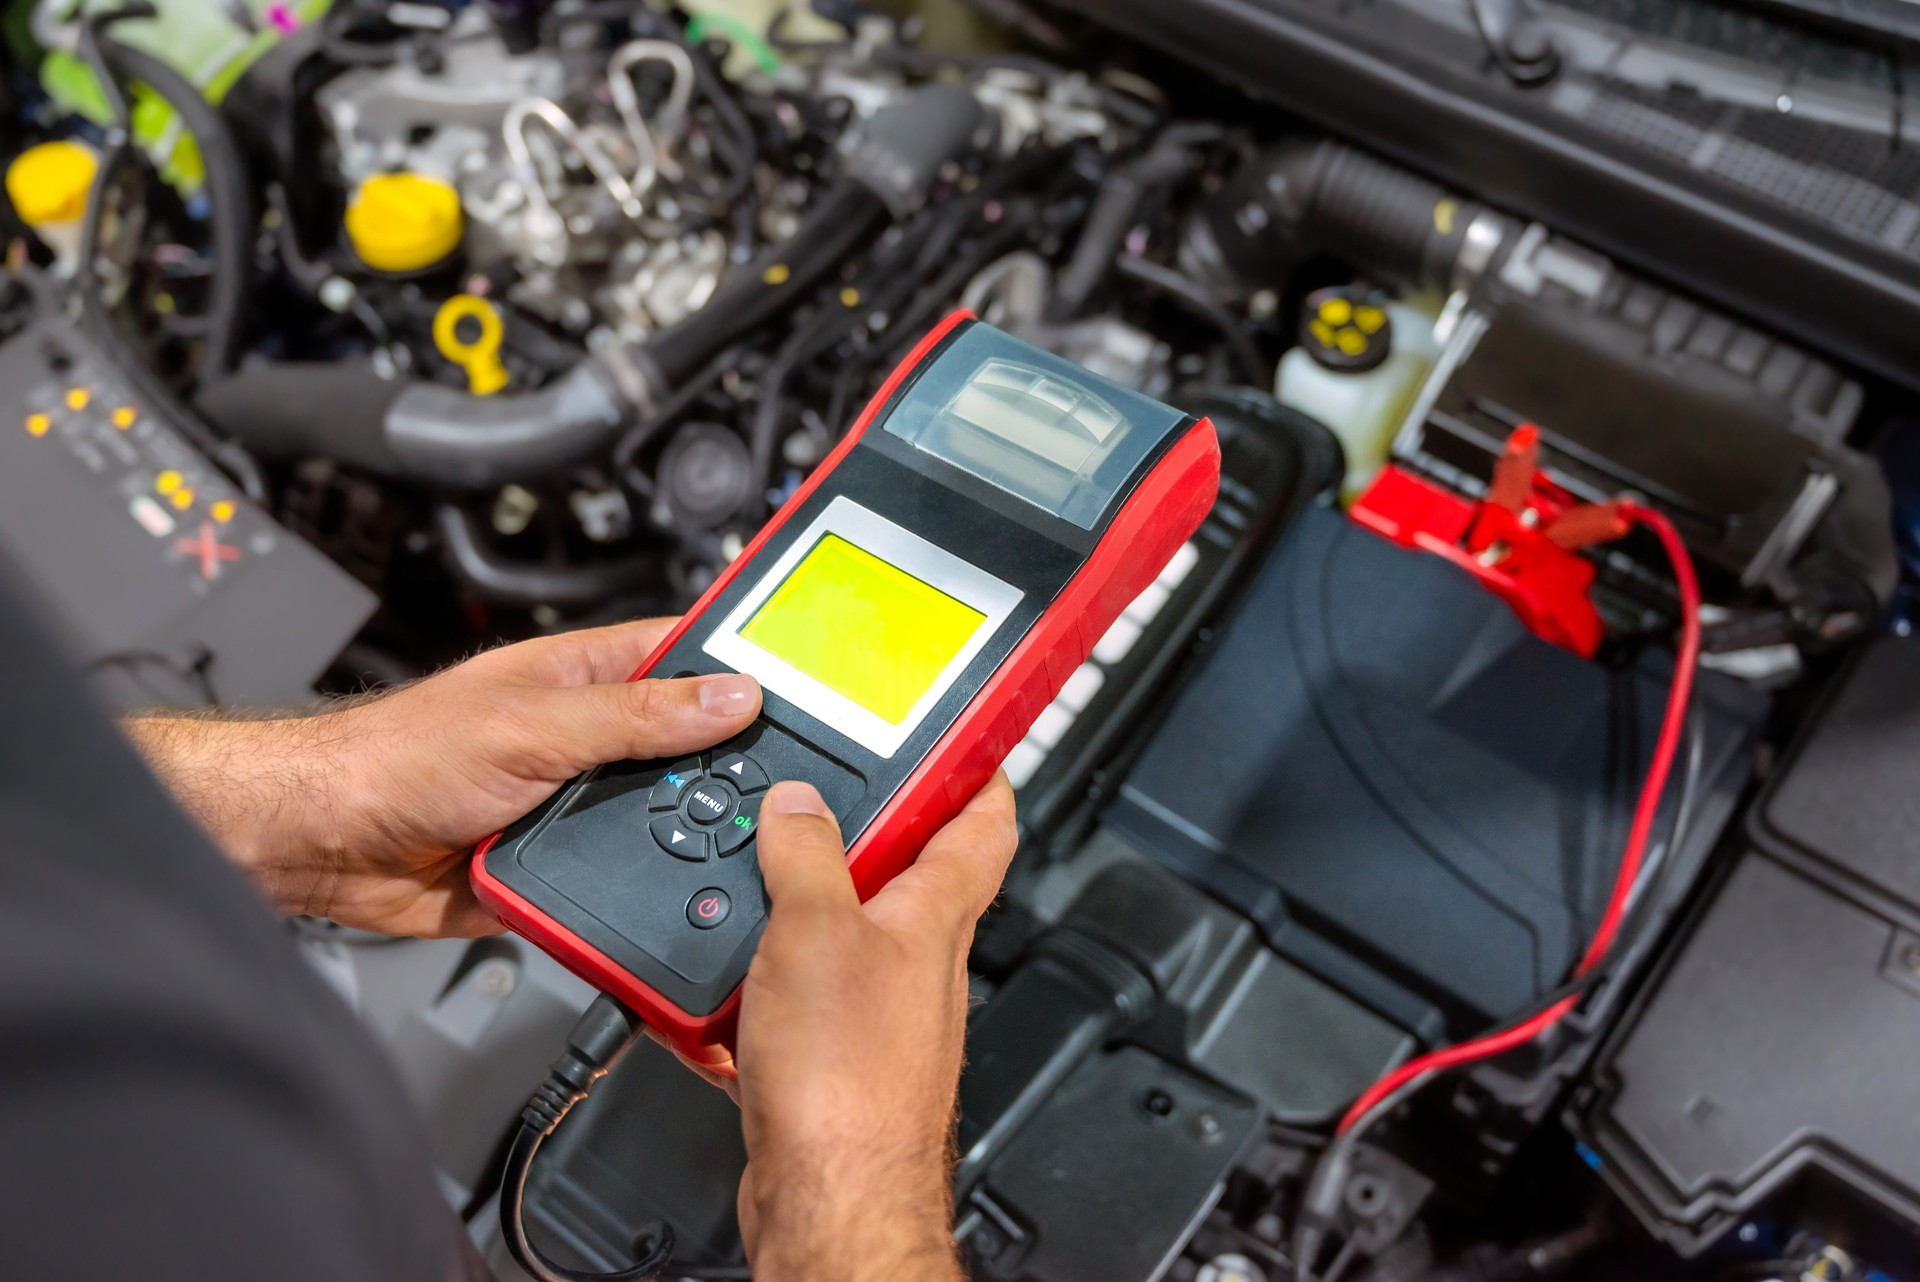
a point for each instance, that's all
(708, 802)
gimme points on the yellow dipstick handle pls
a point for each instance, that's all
(478, 356)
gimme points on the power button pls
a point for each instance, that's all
(708, 908)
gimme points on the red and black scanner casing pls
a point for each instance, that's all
(583, 878)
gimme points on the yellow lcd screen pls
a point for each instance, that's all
(865, 629)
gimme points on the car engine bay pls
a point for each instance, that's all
(342, 340)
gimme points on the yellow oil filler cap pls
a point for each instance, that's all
(48, 183)
(404, 222)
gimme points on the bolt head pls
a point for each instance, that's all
(1528, 42)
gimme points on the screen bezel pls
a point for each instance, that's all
(905, 551)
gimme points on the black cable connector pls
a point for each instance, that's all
(603, 1034)
(1320, 1206)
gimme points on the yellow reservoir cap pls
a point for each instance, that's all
(48, 183)
(404, 222)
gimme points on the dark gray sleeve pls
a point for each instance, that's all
(183, 1098)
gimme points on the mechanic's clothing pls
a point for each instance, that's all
(180, 1095)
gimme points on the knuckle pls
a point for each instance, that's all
(1006, 833)
(647, 700)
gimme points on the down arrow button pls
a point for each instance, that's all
(681, 839)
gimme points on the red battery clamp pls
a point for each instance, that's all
(909, 613)
(1522, 541)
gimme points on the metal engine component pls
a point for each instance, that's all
(516, 133)
(655, 284)
(704, 476)
(376, 114)
(1014, 292)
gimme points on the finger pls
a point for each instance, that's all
(469, 921)
(615, 653)
(589, 656)
(959, 872)
(802, 859)
(586, 725)
(747, 1208)
(443, 907)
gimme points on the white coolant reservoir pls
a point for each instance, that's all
(1361, 360)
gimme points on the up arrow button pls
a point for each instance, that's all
(743, 772)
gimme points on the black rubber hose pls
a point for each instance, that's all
(520, 583)
(294, 410)
(229, 195)
(1191, 295)
(1167, 161)
(742, 150)
(912, 320)
(1384, 216)
(414, 431)
(1326, 195)
(449, 437)
(889, 166)
(845, 219)
(923, 248)
(805, 345)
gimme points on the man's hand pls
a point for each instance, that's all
(363, 814)
(851, 1030)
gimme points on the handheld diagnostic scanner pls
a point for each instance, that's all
(908, 614)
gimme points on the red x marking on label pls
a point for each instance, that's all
(211, 551)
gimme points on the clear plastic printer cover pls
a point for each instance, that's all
(1036, 426)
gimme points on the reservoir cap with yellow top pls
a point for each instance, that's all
(404, 222)
(1346, 328)
(48, 183)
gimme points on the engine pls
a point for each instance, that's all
(454, 323)
(608, 303)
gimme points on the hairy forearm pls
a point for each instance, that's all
(871, 1217)
(833, 1239)
(266, 790)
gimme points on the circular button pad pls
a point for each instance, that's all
(704, 809)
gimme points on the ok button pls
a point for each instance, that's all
(708, 803)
